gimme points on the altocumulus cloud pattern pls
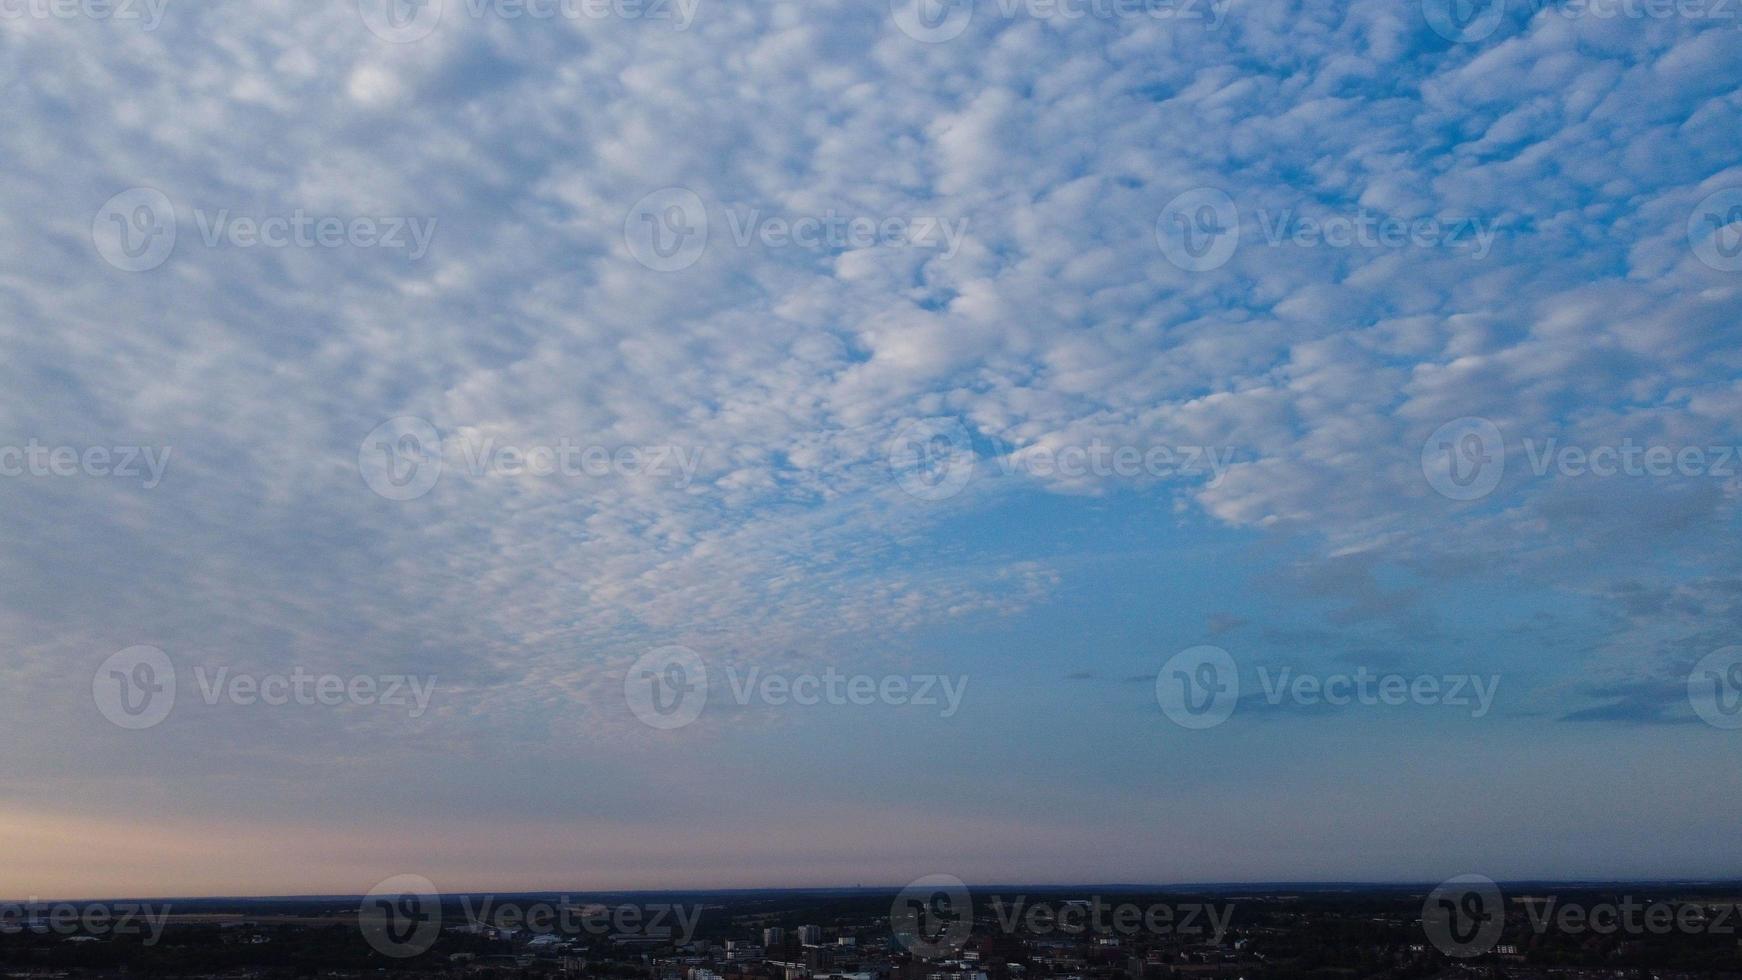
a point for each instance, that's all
(452, 340)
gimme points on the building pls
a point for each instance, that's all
(773, 936)
(810, 935)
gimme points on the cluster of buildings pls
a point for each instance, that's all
(872, 953)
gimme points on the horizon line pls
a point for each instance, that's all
(1303, 884)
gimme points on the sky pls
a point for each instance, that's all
(716, 443)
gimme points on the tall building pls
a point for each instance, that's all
(810, 935)
(773, 936)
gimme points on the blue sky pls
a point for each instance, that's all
(860, 288)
